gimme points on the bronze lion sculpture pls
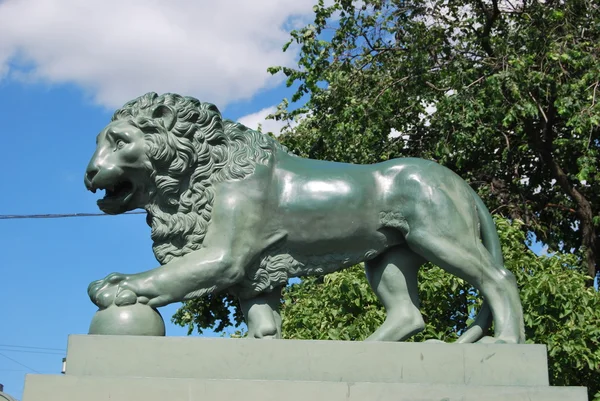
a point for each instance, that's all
(232, 210)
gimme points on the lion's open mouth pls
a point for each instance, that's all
(120, 190)
(119, 193)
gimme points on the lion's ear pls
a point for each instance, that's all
(166, 114)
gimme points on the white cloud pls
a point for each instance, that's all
(116, 50)
(253, 120)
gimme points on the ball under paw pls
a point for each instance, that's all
(132, 320)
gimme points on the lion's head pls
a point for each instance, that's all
(164, 154)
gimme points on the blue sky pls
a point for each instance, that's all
(48, 135)
(64, 67)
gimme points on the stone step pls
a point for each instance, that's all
(73, 388)
(335, 361)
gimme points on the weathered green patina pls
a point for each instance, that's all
(232, 210)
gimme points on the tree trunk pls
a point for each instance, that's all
(543, 142)
(585, 214)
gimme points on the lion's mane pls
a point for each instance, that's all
(186, 162)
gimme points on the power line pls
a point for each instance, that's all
(32, 352)
(30, 347)
(57, 216)
(19, 363)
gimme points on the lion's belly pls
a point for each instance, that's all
(326, 251)
(299, 264)
(332, 226)
(330, 240)
(277, 265)
(291, 259)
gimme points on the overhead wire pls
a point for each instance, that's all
(27, 349)
(58, 215)
(32, 352)
(19, 363)
(41, 350)
(30, 347)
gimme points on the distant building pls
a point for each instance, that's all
(4, 396)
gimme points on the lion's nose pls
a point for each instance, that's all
(90, 173)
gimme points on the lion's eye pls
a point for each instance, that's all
(120, 144)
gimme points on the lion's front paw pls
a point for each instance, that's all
(113, 289)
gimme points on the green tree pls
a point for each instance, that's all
(515, 86)
(505, 95)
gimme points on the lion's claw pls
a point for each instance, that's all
(93, 287)
(121, 290)
(125, 297)
(111, 290)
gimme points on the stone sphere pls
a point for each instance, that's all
(131, 320)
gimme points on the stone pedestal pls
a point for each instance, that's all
(129, 368)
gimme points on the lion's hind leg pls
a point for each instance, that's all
(393, 278)
(463, 255)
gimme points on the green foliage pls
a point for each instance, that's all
(559, 309)
(216, 311)
(342, 306)
(515, 91)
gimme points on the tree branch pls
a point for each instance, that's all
(491, 16)
(543, 141)
(436, 88)
(475, 82)
(562, 207)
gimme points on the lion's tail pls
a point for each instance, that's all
(491, 241)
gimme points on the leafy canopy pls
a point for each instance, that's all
(504, 93)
